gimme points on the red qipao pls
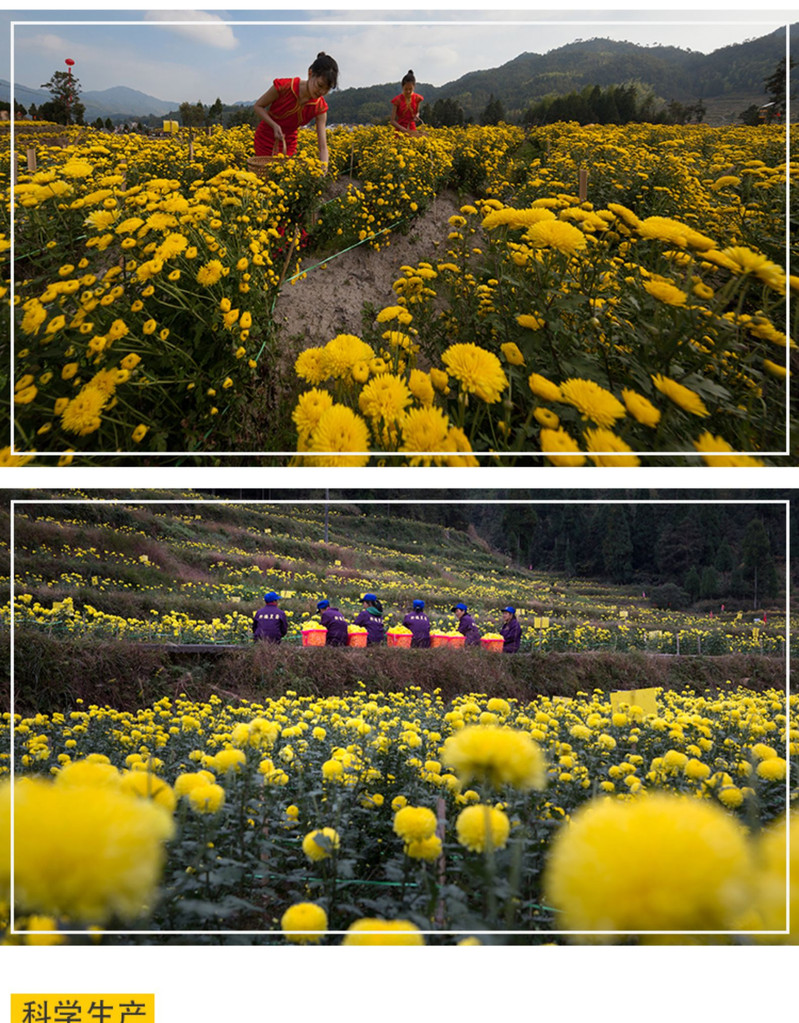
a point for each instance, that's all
(407, 109)
(290, 114)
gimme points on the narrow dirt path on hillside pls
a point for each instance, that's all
(330, 300)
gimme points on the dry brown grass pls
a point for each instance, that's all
(52, 673)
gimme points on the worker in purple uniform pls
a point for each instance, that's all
(510, 630)
(371, 618)
(335, 623)
(466, 625)
(269, 622)
(419, 624)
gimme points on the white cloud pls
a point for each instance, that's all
(45, 42)
(444, 57)
(199, 27)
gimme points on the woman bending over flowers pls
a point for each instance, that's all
(405, 107)
(290, 103)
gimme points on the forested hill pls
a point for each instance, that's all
(615, 539)
(667, 71)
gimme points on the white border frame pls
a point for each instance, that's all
(277, 502)
(692, 459)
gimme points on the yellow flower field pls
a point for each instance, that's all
(647, 317)
(304, 819)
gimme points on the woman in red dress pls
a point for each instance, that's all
(290, 103)
(405, 107)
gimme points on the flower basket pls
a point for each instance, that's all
(456, 640)
(494, 645)
(438, 639)
(399, 639)
(356, 639)
(314, 637)
(259, 165)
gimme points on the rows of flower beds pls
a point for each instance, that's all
(650, 318)
(482, 820)
(69, 582)
(61, 617)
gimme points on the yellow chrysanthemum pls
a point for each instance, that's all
(414, 823)
(560, 448)
(530, 321)
(340, 433)
(478, 825)
(495, 755)
(341, 353)
(385, 397)
(310, 406)
(775, 369)
(592, 401)
(684, 397)
(512, 353)
(657, 862)
(543, 388)
(745, 261)
(86, 853)
(673, 231)
(665, 292)
(421, 387)
(509, 217)
(546, 417)
(556, 234)
(376, 931)
(478, 371)
(321, 843)
(607, 443)
(82, 413)
(310, 366)
(304, 923)
(210, 273)
(424, 429)
(640, 408)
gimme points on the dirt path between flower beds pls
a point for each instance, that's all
(330, 299)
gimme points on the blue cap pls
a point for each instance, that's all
(368, 596)
(510, 610)
(322, 604)
(418, 604)
(271, 597)
(458, 607)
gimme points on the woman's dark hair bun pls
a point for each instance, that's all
(410, 72)
(321, 54)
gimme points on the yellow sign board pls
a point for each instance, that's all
(646, 699)
(83, 1008)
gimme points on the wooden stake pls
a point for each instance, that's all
(583, 186)
(352, 157)
(191, 150)
(31, 160)
(441, 828)
(294, 241)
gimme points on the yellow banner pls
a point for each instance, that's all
(646, 699)
(82, 1008)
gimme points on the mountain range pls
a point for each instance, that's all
(734, 74)
(118, 102)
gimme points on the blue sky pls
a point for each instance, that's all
(190, 55)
